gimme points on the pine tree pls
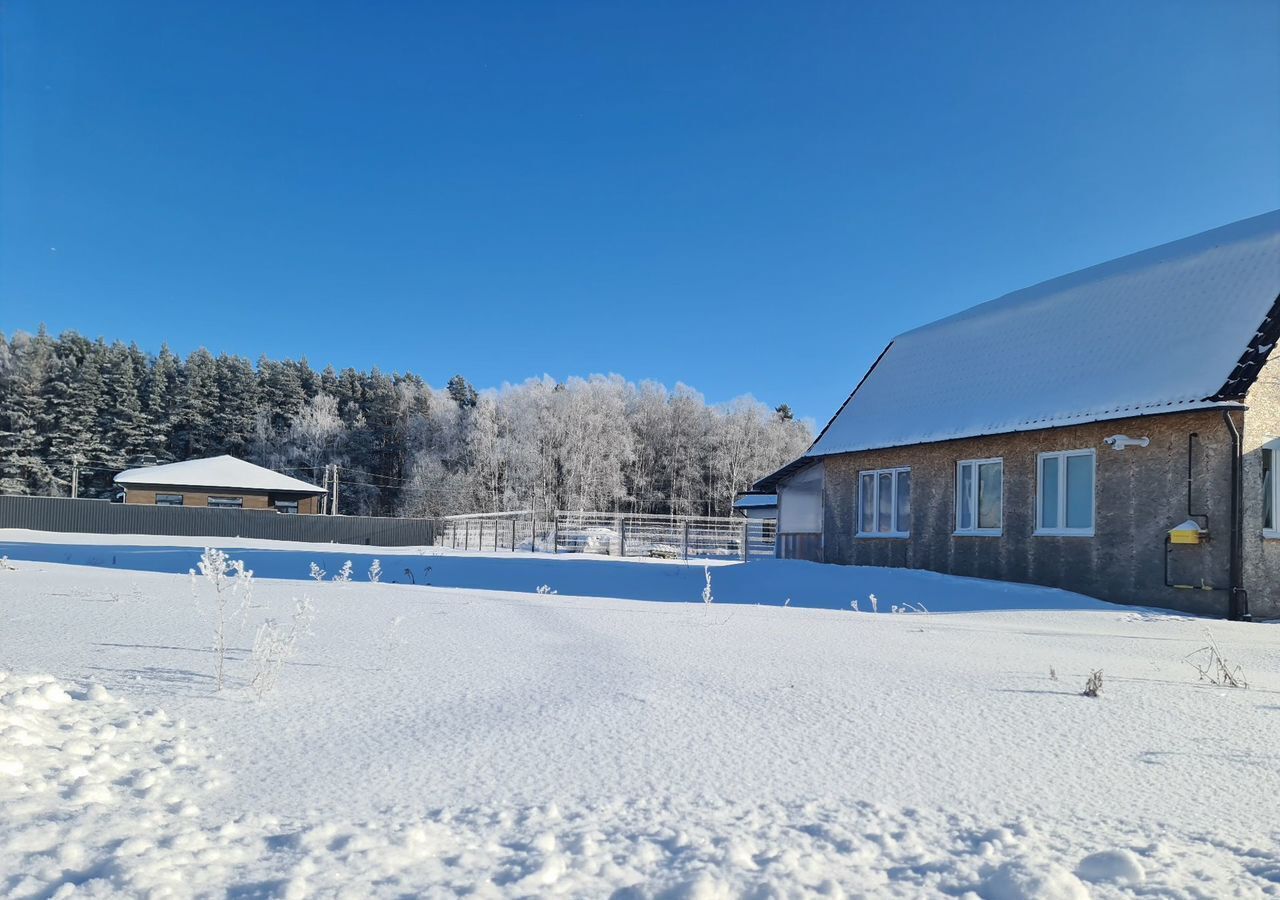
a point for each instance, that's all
(462, 392)
(194, 433)
(232, 421)
(23, 469)
(160, 397)
(280, 385)
(121, 418)
(73, 393)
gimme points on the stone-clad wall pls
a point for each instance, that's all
(1140, 494)
(1261, 555)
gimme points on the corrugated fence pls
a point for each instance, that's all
(102, 517)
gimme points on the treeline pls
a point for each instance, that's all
(404, 447)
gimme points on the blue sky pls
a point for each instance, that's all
(747, 197)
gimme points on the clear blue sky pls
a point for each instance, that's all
(748, 197)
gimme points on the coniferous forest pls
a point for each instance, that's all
(404, 447)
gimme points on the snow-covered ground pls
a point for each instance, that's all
(438, 740)
(763, 581)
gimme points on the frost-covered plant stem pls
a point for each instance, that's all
(229, 579)
(273, 645)
(375, 572)
(707, 597)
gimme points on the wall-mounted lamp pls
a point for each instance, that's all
(1120, 441)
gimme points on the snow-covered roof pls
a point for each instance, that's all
(1157, 331)
(217, 472)
(748, 501)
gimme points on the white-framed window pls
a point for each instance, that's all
(1065, 493)
(884, 503)
(227, 502)
(1271, 490)
(980, 496)
(168, 499)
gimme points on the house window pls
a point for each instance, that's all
(884, 503)
(1064, 500)
(289, 507)
(1271, 490)
(227, 502)
(168, 499)
(979, 496)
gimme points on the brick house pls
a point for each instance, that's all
(222, 482)
(1115, 432)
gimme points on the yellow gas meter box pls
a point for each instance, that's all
(1189, 532)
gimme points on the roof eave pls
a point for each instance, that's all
(1200, 406)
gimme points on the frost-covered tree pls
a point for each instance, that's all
(194, 431)
(402, 446)
(461, 391)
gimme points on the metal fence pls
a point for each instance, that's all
(101, 517)
(510, 531)
(668, 537)
(610, 534)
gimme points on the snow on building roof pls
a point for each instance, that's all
(755, 500)
(218, 472)
(1158, 331)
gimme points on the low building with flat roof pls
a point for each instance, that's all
(220, 482)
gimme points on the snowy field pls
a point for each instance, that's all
(444, 739)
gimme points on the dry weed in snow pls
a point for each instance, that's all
(316, 572)
(1213, 668)
(375, 571)
(1093, 686)
(274, 644)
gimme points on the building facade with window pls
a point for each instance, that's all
(220, 482)
(1114, 432)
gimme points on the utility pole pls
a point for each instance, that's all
(324, 503)
(75, 476)
(334, 511)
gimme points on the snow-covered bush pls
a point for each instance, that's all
(375, 571)
(316, 572)
(230, 581)
(545, 589)
(275, 643)
(5, 565)
(853, 604)
(344, 574)
(875, 603)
